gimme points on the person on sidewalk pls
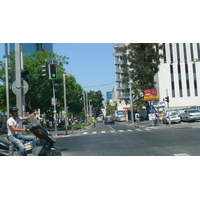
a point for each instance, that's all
(137, 119)
(13, 136)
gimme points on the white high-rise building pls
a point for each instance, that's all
(179, 74)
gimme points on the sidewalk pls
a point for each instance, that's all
(182, 125)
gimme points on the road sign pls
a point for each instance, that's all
(151, 107)
(52, 61)
(24, 85)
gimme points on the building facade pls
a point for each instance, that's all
(121, 87)
(179, 74)
(109, 95)
(28, 48)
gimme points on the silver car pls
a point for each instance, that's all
(174, 117)
(190, 115)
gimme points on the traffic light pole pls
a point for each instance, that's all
(18, 78)
(168, 106)
(54, 111)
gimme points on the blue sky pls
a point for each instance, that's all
(92, 64)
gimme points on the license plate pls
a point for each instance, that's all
(173, 116)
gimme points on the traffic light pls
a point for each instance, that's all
(45, 71)
(167, 99)
(52, 71)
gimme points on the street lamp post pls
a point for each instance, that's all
(65, 102)
(131, 99)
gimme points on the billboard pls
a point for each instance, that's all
(150, 94)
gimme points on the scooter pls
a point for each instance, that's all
(44, 147)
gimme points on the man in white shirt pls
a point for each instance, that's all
(13, 128)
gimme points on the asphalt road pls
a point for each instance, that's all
(123, 140)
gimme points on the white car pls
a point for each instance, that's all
(99, 119)
(173, 115)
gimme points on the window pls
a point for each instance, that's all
(164, 53)
(172, 80)
(195, 79)
(171, 52)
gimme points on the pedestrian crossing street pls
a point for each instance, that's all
(121, 131)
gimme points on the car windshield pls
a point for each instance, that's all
(173, 113)
(194, 111)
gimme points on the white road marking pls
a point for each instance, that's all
(120, 130)
(112, 131)
(137, 129)
(181, 154)
(129, 130)
(103, 132)
(85, 133)
(111, 128)
(147, 129)
(94, 132)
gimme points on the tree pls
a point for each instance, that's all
(142, 61)
(96, 101)
(40, 89)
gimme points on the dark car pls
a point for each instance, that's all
(109, 120)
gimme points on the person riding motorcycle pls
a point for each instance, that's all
(13, 136)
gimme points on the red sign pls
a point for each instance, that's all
(150, 94)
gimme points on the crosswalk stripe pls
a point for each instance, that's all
(181, 154)
(121, 131)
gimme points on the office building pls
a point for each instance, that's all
(28, 48)
(179, 74)
(109, 95)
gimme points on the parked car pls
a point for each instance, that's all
(190, 115)
(99, 120)
(173, 116)
(121, 119)
(180, 111)
(195, 108)
(109, 120)
(115, 118)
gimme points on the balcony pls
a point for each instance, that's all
(121, 88)
(119, 62)
(119, 71)
(125, 96)
(118, 54)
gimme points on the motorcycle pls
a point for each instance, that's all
(44, 147)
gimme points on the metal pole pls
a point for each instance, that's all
(54, 116)
(84, 105)
(23, 95)
(7, 86)
(65, 104)
(18, 79)
(131, 102)
(87, 106)
(168, 108)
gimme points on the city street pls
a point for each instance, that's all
(122, 139)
